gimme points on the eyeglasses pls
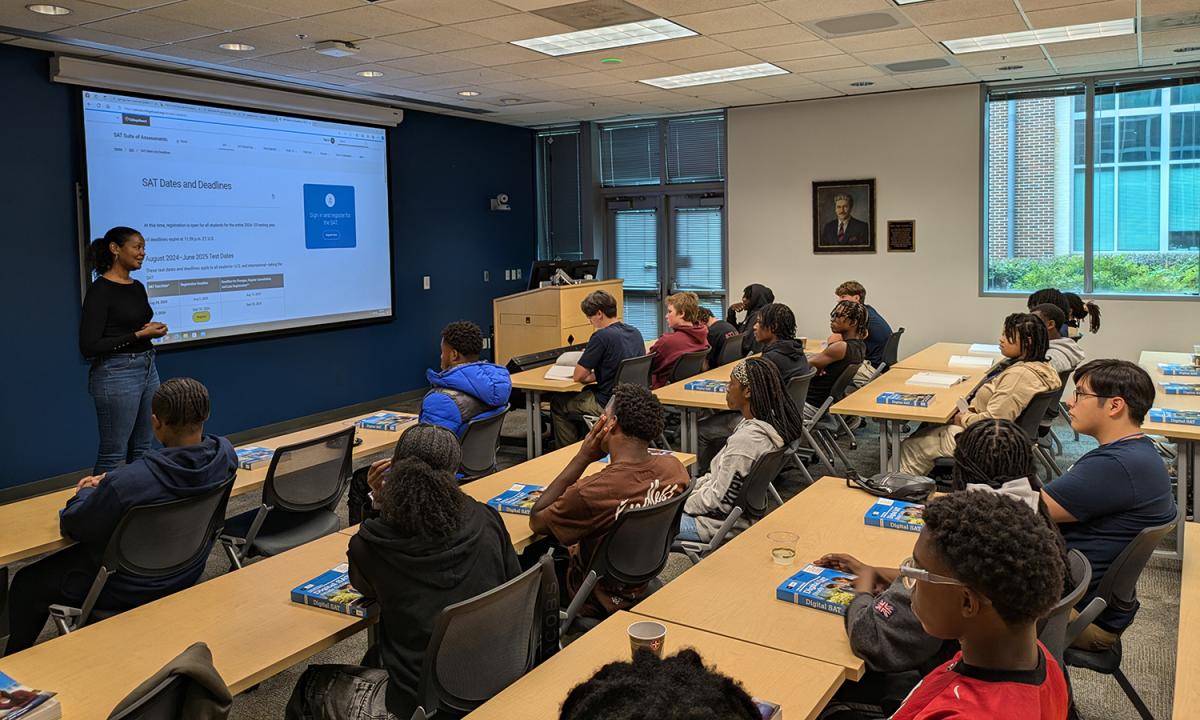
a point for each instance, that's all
(1080, 393)
(910, 574)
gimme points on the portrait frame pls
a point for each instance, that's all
(859, 234)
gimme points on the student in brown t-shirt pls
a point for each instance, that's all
(578, 512)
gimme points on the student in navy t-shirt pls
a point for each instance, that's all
(612, 342)
(878, 330)
(1115, 491)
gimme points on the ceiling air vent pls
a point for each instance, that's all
(1170, 22)
(595, 13)
(858, 24)
(918, 65)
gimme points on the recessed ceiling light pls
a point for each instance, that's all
(48, 9)
(862, 83)
(468, 93)
(509, 101)
(1010, 67)
(1189, 48)
(742, 72)
(237, 47)
(369, 73)
(603, 38)
(1044, 36)
(614, 61)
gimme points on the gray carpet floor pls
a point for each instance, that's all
(1149, 645)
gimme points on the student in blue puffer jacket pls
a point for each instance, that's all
(465, 388)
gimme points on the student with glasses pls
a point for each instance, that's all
(1114, 491)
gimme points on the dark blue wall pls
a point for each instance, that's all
(442, 172)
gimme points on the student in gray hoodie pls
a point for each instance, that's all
(1063, 354)
(769, 420)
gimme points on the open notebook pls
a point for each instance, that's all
(564, 367)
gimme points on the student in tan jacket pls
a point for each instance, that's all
(1004, 394)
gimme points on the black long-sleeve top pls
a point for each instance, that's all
(112, 313)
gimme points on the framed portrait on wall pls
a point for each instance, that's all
(844, 216)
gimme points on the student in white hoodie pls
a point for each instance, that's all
(769, 421)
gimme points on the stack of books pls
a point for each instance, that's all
(1175, 417)
(910, 399)
(983, 349)
(820, 588)
(974, 362)
(1174, 388)
(250, 458)
(896, 514)
(331, 590)
(935, 379)
(20, 702)
(1179, 369)
(518, 499)
(717, 386)
(389, 421)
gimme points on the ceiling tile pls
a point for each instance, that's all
(550, 67)
(353, 70)
(716, 62)
(447, 12)
(1086, 13)
(1029, 68)
(380, 50)
(831, 62)
(293, 8)
(903, 54)
(129, 4)
(730, 20)
(476, 76)
(535, 88)
(582, 80)
(884, 84)
(1167, 52)
(215, 13)
(935, 78)
(682, 48)
(212, 56)
(99, 36)
(429, 64)
(15, 15)
(797, 51)
(728, 94)
(974, 28)
(1035, 5)
(263, 45)
(645, 72)
(1152, 8)
(845, 75)
(149, 27)
(1001, 57)
(309, 60)
(369, 21)
(591, 60)
(775, 82)
(942, 11)
(880, 40)
(765, 37)
(438, 39)
(670, 8)
(1170, 37)
(805, 10)
(495, 54)
(259, 65)
(1117, 59)
(507, 28)
(1084, 47)
(812, 91)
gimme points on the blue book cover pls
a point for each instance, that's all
(896, 514)
(518, 499)
(1179, 369)
(21, 701)
(389, 421)
(1175, 417)
(903, 398)
(250, 458)
(331, 590)
(1178, 388)
(717, 386)
(820, 588)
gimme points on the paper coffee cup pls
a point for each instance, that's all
(648, 635)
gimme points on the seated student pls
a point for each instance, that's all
(754, 297)
(678, 687)
(983, 572)
(189, 463)
(686, 334)
(1113, 492)
(579, 511)
(431, 546)
(1051, 296)
(1006, 391)
(465, 388)
(1078, 309)
(718, 331)
(878, 330)
(1063, 354)
(612, 342)
(439, 450)
(848, 321)
(768, 421)
(991, 456)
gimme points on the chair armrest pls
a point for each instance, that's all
(1085, 618)
(577, 602)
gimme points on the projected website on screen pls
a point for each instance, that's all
(253, 222)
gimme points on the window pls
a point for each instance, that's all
(559, 195)
(1143, 233)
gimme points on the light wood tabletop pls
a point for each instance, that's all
(732, 591)
(535, 379)
(799, 685)
(246, 617)
(940, 409)
(937, 357)
(31, 525)
(677, 395)
(1149, 361)
(1187, 657)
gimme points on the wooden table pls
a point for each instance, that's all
(732, 591)
(937, 357)
(801, 686)
(31, 525)
(1187, 657)
(1186, 437)
(939, 411)
(534, 383)
(246, 618)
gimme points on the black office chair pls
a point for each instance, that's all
(305, 482)
(151, 541)
(752, 502)
(688, 364)
(635, 370)
(169, 692)
(797, 390)
(1043, 446)
(731, 351)
(1118, 588)
(1053, 629)
(479, 444)
(891, 349)
(1029, 420)
(823, 427)
(456, 676)
(634, 552)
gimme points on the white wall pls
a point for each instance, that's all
(922, 148)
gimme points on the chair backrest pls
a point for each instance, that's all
(891, 349)
(797, 388)
(637, 547)
(731, 350)
(1118, 587)
(1031, 417)
(754, 495)
(635, 370)
(838, 390)
(189, 682)
(484, 644)
(162, 539)
(311, 474)
(164, 702)
(1052, 412)
(1053, 633)
(688, 364)
(479, 443)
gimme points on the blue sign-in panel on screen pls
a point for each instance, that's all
(328, 216)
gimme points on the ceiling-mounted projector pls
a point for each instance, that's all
(336, 48)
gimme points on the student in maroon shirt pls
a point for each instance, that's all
(983, 572)
(685, 334)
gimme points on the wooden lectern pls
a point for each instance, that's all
(546, 318)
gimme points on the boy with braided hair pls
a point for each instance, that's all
(849, 321)
(190, 463)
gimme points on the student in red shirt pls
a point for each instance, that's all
(685, 333)
(983, 572)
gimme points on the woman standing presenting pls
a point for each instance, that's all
(115, 335)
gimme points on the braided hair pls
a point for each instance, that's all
(422, 501)
(181, 403)
(779, 319)
(1080, 310)
(1049, 295)
(856, 313)
(1029, 332)
(768, 399)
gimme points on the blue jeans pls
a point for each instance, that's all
(122, 386)
(687, 528)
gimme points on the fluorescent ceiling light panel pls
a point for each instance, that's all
(603, 38)
(1045, 36)
(743, 72)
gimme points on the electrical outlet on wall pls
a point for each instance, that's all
(486, 276)
(425, 283)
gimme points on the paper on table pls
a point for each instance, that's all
(934, 379)
(564, 367)
(984, 349)
(971, 361)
